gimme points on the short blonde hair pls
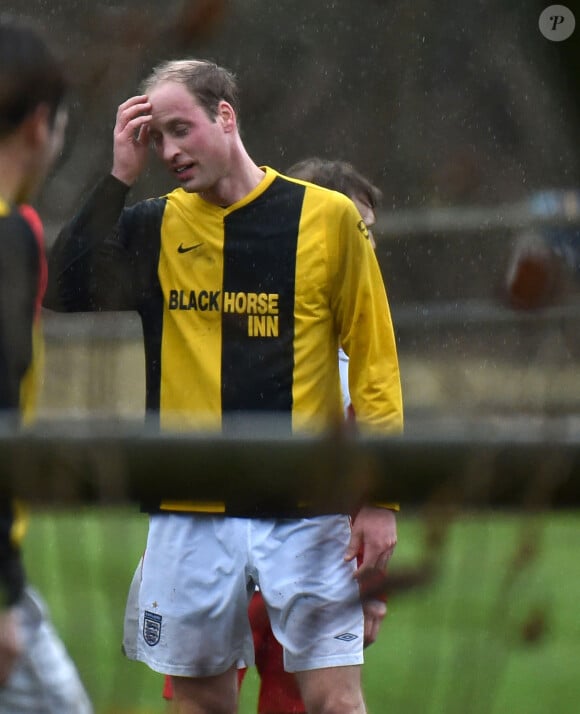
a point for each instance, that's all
(206, 81)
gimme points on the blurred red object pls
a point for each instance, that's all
(534, 276)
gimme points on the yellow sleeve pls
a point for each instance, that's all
(361, 309)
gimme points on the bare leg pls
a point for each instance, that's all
(332, 690)
(206, 695)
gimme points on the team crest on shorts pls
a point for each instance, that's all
(151, 628)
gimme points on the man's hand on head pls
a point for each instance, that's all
(131, 139)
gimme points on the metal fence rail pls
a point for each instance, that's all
(485, 464)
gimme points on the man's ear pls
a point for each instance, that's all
(226, 116)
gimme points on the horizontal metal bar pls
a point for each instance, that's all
(474, 465)
(417, 222)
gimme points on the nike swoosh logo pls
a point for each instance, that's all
(183, 249)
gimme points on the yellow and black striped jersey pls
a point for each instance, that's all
(243, 307)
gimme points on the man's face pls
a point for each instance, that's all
(367, 213)
(194, 147)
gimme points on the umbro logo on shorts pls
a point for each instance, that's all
(184, 249)
(152, 628)
(346, 637)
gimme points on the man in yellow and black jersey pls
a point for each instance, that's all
(278, 692)
(36, 673)
(238, 311)
(246, 282)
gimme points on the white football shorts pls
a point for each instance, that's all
(187, 610)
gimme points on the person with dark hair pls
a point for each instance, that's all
(36, 673)
(340, 176)
(246, 282)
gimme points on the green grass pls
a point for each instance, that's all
(496, 631)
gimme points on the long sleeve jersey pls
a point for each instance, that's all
(243, 307)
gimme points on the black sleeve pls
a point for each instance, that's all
(19, 275)
(18, 286)
(89, 266)
(19, 266)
